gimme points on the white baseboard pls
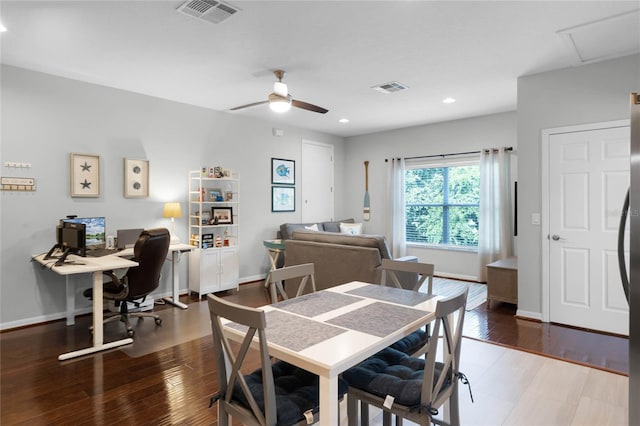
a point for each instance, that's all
(41, 319)
(529, 315)
(252, 278)
(456, 276)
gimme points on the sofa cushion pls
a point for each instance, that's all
(362, 240)
(286, 229)
(335, 225)
(351, 228)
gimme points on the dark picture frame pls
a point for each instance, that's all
(224, 215)
(283, 172)
(283, 199)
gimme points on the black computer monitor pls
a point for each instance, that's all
(95, 230)
(71, 240)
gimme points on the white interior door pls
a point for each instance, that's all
(317, 182)
(588, 180)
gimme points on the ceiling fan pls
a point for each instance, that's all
(280, 100)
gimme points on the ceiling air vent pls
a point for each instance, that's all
(208, 10)
(391, 87)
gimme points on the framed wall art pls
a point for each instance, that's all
(283, 199)
(222, 215)
(283, 172)
(136, 178)
(84, 175)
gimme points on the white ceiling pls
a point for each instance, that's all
(333, 52)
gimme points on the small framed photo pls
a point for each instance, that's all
(207, 240)
(215, 194)
(283, 199)
(223, 215)
(283, 172)
(206, 218)
(136, 178)
(84, 175)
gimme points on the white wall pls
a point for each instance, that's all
(588, 94)
(45, 118)
(442, 138)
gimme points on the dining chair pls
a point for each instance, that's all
(305, 272)
(393, 268)
(416, 343)
(408, 387)
(277, 393)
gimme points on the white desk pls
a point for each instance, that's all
(94, 265)
(175, 250)
(341, 326)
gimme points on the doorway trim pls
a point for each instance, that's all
(544, 231)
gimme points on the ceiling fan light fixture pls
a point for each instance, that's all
(279, 103)
(279, 88)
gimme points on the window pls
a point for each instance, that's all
(442, 204)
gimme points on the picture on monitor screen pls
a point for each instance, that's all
(95, 231)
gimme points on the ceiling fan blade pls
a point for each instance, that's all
(249, 105)
(308, 106)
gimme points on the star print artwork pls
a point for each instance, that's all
(85, 175)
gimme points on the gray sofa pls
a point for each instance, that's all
(339, 258)
(286, 229)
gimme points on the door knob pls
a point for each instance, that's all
(556, 237)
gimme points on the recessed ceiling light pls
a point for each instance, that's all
(2, 28)
(448, 100)
(344, 120)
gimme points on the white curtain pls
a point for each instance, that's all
(396, 216)
(494, 239)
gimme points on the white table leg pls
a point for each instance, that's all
(71, 300)
(175, 283)
(329, 401)
(98, 337)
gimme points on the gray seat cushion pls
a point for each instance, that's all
(391, 372)
(297, 391)
(411, 343)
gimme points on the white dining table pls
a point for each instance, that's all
(332, 330)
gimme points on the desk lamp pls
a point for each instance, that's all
(172, 210)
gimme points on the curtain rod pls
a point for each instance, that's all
(508, 148)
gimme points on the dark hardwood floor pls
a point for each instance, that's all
(173, 385)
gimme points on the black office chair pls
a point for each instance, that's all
(150, 252)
